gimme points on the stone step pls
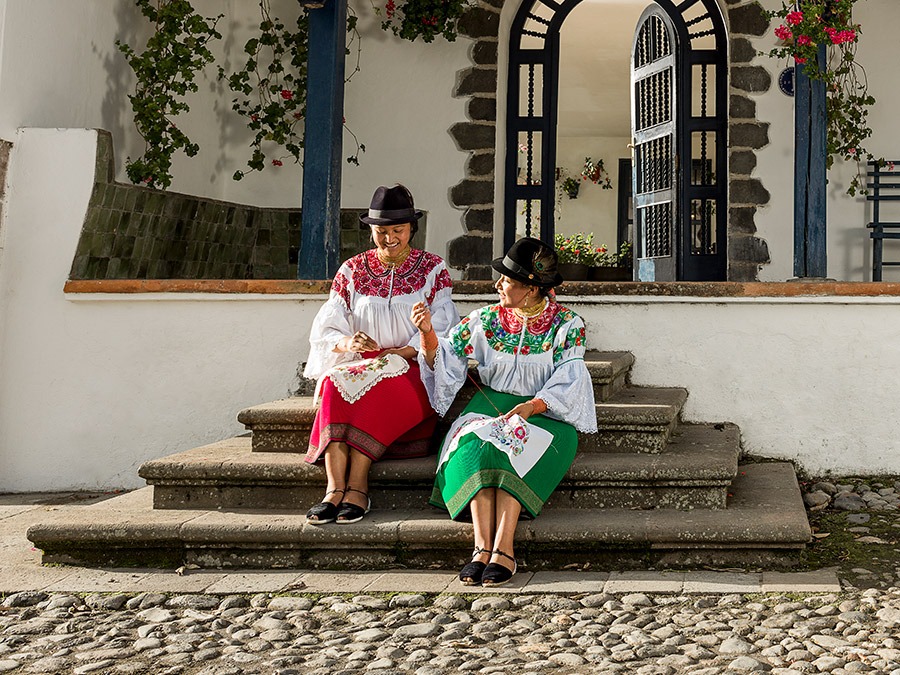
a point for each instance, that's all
(695, 471)
(635, 419)
(764, 524)
(283, 425)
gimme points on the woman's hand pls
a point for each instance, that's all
(358, 342)
(421, 317)
(523, 410)
(407, 352)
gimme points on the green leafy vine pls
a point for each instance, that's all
(165, 73)
(272, 85)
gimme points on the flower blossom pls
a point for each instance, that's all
(277, 162)
(794, 18)
(783, 33)
(804, 40)
(799, 59)
(390, 8)
(287, 95)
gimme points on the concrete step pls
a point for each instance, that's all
(694, 471)
(764, 524)
(635, 419)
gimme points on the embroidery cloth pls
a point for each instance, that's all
(522, 442)
(353, 380)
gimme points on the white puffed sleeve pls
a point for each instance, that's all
(439, 297)
(332, 322)
(569, 393)
(451, 365)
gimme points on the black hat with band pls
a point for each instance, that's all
(391, 206)
(530, 261)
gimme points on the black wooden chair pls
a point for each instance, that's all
(883, 184)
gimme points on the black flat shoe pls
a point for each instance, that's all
(496, 574)
(470, 575)
(351, 513)
(323, 513)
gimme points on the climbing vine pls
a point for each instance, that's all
(165, 73)
(270, 87)
(807, 24)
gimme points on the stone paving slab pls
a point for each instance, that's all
(261, 581)
(422, 581)
(817, 581)
(722, 582)
(344, 582)
(88, 580)
(32, 578)
(567, 582)
(645, 582)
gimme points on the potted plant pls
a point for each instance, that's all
(594, 171)
(575, 254)
(609, 265)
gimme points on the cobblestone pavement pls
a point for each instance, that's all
(74, 620)
(854, 632)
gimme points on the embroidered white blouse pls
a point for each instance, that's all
(366, 296)
(542, 358)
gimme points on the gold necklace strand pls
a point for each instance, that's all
(531, 312)
(393, 263)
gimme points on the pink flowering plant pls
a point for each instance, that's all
(426, 19)
(804, 26)
(594, 171)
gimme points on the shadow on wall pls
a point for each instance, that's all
(133, 232)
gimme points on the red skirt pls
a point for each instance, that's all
(393, 420)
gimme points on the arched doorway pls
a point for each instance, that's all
(697, 155)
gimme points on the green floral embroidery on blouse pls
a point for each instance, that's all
(461, 337)
(574, 338)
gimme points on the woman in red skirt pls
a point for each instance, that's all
(363, 350)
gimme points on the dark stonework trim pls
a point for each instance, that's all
(472, 252)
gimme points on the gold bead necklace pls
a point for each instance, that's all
(531, 312)
(393, 263)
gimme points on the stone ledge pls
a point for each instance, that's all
(695, 289)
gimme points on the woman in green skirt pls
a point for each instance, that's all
(517, 437)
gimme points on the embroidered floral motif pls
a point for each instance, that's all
(460, 337)
(441, 282)
(505, 434)
(371, 278)
(574, 338)
(341, 287)
(502, 329)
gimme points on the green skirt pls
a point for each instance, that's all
(478, 464)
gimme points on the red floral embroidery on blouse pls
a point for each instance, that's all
(538, 326)
(371, 278)
(441, 282)
(341, 287)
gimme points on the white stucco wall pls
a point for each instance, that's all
(595, 210)
(93, 385)
(849, 248)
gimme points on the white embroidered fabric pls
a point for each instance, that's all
(353, 380)
(522, 442)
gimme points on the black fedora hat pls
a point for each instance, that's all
(391, 206)
(530, 261)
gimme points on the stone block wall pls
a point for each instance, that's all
(132, 232)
